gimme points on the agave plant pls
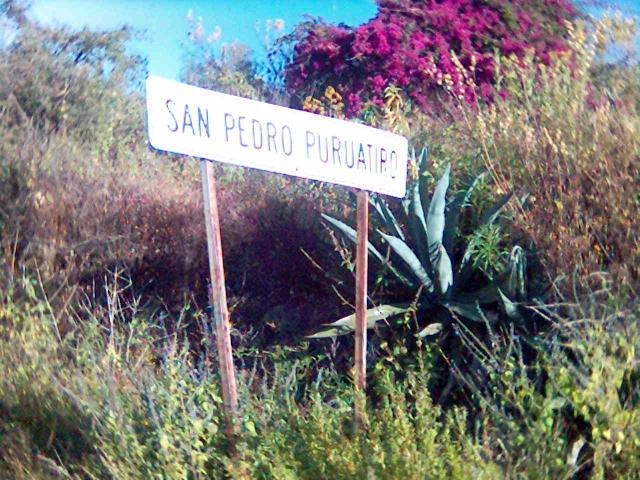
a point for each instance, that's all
(421, 260)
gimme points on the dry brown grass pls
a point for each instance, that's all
(572, 146)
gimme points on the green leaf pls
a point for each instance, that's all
(422, 158)
(515, 284)
(410, 258)
(454, 211)
(164, 442)
(331, 332)
(250, 427)
(492, 213)
(435, 217)
(419, 224)
(374, 315)
(576, 447)
(510, 308)
(429, 330)
(352, 235)
(557, 403)
(416, 206)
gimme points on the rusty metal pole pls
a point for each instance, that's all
(219, 295)
(361, 301)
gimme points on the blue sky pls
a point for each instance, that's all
(166, 29)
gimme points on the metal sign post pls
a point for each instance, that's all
(219, 294)
(361, 302)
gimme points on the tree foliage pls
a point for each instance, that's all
(59, 79)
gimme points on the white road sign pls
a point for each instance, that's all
(207, 124)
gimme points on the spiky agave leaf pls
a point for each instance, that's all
(418, 225)
(431, 329)
(331, 332)
(348, 324)
(492, 213)
(454, 212)
(515, 284)
(472, 311)
(387, 216)
(510, 308)
(435, 216)
(422, 157)
(352, 235)
(420, 162)
(409, 258)
(375, 314)
(445, 270)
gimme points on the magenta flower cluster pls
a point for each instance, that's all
(409, 44)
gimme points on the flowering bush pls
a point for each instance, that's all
(419, 45)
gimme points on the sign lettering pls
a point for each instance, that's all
(207, 124)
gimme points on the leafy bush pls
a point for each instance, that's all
(406, 437)
(73, 82)
(115, 402)
(36, 414)
(575, 411)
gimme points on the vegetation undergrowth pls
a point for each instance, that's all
(119, 397)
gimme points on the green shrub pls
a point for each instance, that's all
(109, 400)
(406, 436)
(43, 428)
(576, 409)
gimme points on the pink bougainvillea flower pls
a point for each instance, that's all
(409, 44)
